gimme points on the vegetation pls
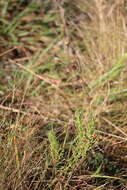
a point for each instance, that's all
(63, 93)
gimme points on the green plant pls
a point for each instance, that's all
(54, 146)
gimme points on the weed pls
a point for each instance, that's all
(54, 146)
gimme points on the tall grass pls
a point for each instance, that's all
(56, 57)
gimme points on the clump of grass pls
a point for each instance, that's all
(54, 147)
(81, 144)
(84, 136)
(112, 73)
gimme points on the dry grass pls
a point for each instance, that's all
(63, 95)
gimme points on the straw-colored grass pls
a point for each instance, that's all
(63, 95)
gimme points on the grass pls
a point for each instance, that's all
(63, 95)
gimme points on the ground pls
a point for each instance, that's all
(63, 95)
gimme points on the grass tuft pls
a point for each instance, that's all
(54, 146)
